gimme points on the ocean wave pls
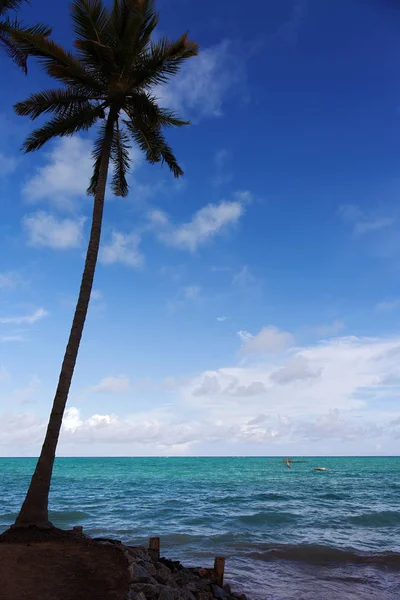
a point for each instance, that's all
(268, 496)
(180, 538)
(331, 496)
(319, 555)
(381, 518)
(268, 517)
(68, 515)
(9, 516)
(229, 499)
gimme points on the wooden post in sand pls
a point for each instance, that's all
(154, 548)
(78, 530)
(219, 568)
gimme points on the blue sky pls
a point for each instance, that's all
(253, 306)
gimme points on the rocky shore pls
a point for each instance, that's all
(155, 578)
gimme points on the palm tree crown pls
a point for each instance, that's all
(8, 25)
(114, 70)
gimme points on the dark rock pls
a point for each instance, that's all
(150, 568)
(168, 593)
(173, 565)
(163, 575)
(182, 578)
(228, 589)
(139, 574)
(138, 552)
(149, 590)
(197, 586)
(218, 592)
(106, 540)
(186, 594)
(131, 559)
(203, 596)
(136, 596)
(160, 565)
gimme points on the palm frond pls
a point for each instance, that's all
(163, 60)
(148, 24)
(58, 63)
(121, 161)
(59, 101)
(152, 142)
(62, 125)
(8, 27)
(91, 20)
(135, 22)
(95, 36)
(39, 29)
(96, 155)
(144, 103)
(6, 5)
(12, 51)
(168, 157)
(97, 57)
(122, 12)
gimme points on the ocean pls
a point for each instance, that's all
(286, 533)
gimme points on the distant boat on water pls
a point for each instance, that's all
(291, 460)
(320, 468)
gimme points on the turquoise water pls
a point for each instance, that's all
(286, 533)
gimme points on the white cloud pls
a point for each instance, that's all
(373, 225)
(185, 295)
(343, 376)
(10, 280)
(334, 396)
(28, 319)
(330, 328)
(191, 292)
(244, 278)
(71, 419)
(96, 295)
(248, 407)
(297, 368)
(158, 218)
(204, 82)
(123, 248)
(21, 430)
(26, 394)
(45, 230)
(362, 221)
(388, 305)
(157, 431)
(221, 319)
(206, 223)
(66, 175)
(269, 340)
(120, 383)
(11, 338)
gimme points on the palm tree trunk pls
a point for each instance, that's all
(34, 511)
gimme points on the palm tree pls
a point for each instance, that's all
(8, 25)
(108, 81)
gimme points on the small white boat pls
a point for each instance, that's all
(320, 468)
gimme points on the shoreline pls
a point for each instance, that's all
(69, 565)
(153, 577)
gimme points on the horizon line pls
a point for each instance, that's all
(222, 456)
